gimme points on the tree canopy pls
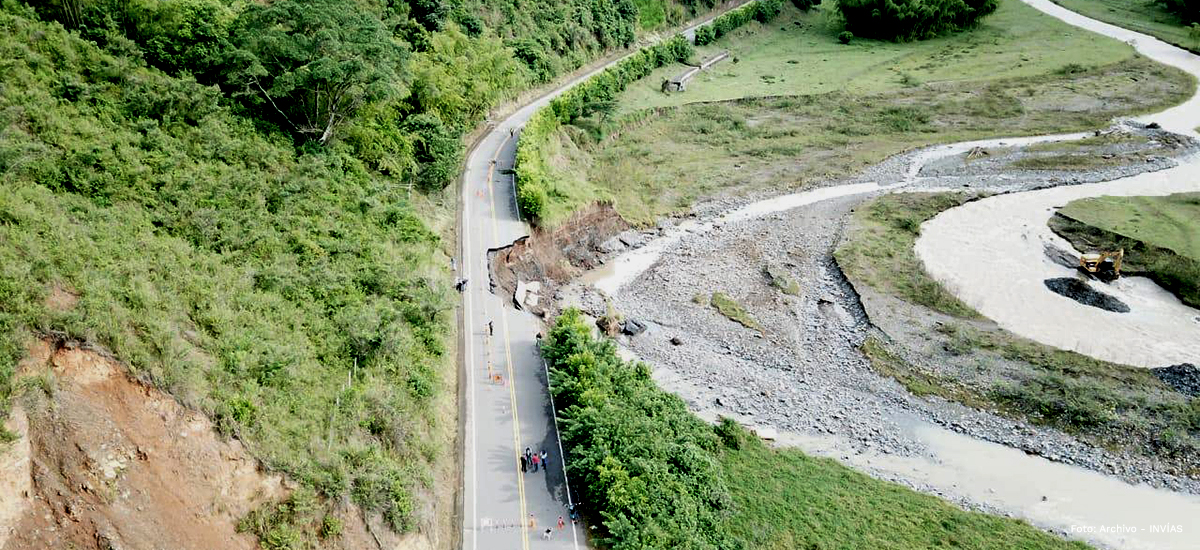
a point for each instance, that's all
(904, 20)
(312, 64)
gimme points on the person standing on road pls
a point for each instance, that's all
(528, 455)
(524, 463)
(532, 523)
(535, 463)
(490, 331)
(561, 523)
(545, 463)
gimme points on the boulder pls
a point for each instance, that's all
(633, 327)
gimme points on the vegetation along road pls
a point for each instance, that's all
(507, 403)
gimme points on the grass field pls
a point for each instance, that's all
(880, 252)
(1142, 16)
(979, 365)
(1160, 236)
(787, 500)
(655, 162)
(1171, 222)
(798, 53)
(660, 162)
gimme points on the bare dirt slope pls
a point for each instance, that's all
(113, 463)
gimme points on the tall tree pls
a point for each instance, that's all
(313, 64)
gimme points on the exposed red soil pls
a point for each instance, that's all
(558, 255)
(114, 463)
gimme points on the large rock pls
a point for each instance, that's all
(633, 327)
(1184, 378)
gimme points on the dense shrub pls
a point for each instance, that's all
(534, 184)
(593, 95)
(761, 11)
(648, 468)
(904, 20)
(1187, 10)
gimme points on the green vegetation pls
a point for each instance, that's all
(1171, 221)
(1187, 10)
(798, 53)
(661, 161)
(979, 365)
(1150, 17)
(906, 20)
(917, 381)
(552, 37)
(1158, 234)
(656, 476)
(536, 193)
(779, 278)
(297, 299)
(1108, 149)
(995, 81)
(880, 253)
(784, 499)
(249, 200)
(762, 11)
(734, 311)
(1082, 161)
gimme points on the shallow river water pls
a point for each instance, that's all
(990, 254)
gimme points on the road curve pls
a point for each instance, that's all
(506, 403)
(989, 253)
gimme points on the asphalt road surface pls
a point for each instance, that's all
(507, 405)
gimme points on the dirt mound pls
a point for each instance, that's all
(1083, 293)
(557, 255)
(1183, 378)
(112, 463)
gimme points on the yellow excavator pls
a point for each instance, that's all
(1104, 265)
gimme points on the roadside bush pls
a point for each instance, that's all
(1187, 10)
(845, 37)
(589, 97)
(904, 20)
(597, 95)
(648, 467)
(761, 11)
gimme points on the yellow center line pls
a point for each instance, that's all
(512, 389)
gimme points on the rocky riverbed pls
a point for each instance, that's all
(803, 373)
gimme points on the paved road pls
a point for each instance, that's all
(507, 403)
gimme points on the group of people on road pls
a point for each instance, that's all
(532, 461)
(550, 532)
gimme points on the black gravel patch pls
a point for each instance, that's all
(1183, 378)
(1083, 293)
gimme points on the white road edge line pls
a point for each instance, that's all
(470, 354)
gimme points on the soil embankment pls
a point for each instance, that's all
(555, 256)
(102, 461)
(112, 461)
(1177, 274)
